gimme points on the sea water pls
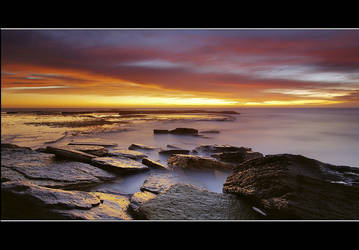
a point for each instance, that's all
(330, 135)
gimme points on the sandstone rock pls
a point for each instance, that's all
(174, 151)
(160, 131)
(31, 201)
(210, 131)
(70, 154)
(295, 187)
(93, 150)
(119, 164)
(112, 207)
(94, 144)
(157, 183)
(174, 147)
(154, 164)
(187, 202)
(197, 162)
(237, 156)
(132, 154)
(138, 199)
(140, 146)
(184, 131)
(24, 200)
(24, 164)
(220, 148)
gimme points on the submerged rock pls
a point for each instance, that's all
(160, 131)
(132, 154)
(121, 165)
(295, 187)
(135, 146)
(174, 151)
(154, 164)
(24, 164)
(188, 202)
(69, 153)
(174, 147)
(94, 144)
(24, 200)
(220, 148)
(184, 131)
(138, 199)
(93, 150)
(197, 162)
(210, 131)
(237, 156)
(158, 183)
(177, 131)
(112, 207)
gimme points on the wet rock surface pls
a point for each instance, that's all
(25, 200)
(68, 153)
(132, 154)
(174, 151)
(220, 149)
(94, 144)
(197, 162)
(188, 202)
(137, 200)
(158, 183)
(210, 131)
(237, 156)
(119, 164)
(295, 187)
(24, 164)
(177, 131)
(93, 150)
(154, 164)
(135, 146)
(184, 131)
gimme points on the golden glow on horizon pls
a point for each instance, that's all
(292, 102)
(50, 100)
(89, 90)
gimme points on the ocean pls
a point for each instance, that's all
(330, 135)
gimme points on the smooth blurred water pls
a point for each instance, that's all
(328, 135)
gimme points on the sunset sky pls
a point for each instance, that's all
(179, 68)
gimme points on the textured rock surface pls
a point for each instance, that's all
(187, 202)
(135, 146)
(154, 164)
(94, 144)
(184, 131)
(119, 164)
(137, 200)
(93, 150)
(157, 183)
(18, 163)
(237, 156)
(220, 148)
(295, 187)
(197, 162)
(132, 154)
(160, 131)
(210, 131)
(174, 151)
(112, 207)
(24, 200)
(177, 131)
(69, 153)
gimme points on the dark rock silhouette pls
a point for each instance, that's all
(295, 187)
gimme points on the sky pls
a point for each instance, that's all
(179, 68)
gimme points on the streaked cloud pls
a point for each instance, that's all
(234, 67)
